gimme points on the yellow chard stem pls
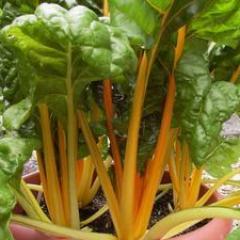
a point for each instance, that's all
(209, 193)
(72, 146)
(59, 231)
(55, 198)
(158, 162)
(24, 189)
(63, 170)
(160, 229)
(35, 187)
(129, 172)
(102, 173)
(195, 185)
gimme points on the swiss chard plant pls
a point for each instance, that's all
(142, 84)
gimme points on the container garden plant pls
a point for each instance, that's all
(165, 61)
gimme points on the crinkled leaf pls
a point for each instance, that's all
(61, 48)
(17, 114)
(226, 153)
(201, 105)
(137, 18)
(220, 103)
(193, 82)
(219, 22)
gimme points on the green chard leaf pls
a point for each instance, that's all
(234, 235)
(17, 114)
(64, 49)
(201, 104)
(219, 22)
(220, 161)
(137, 18)
(193, 82)
(220, 103)
(14, 152)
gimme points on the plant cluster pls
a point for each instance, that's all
(110, 94)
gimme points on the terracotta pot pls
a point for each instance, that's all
(24, 233)
(216, 229)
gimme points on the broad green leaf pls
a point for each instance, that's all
(137, 18)
(201, 105)
(220, 161)
(161, 5)
(17, 114)
(182, 12)
(219, 22)
(193, 82)
(220, 103)
(64, 50)
(235, 235)
(14, 152)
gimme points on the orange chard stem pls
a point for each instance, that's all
(107, 97)
(180, 44)
(235, 75)
(195, 185)
(129, 173)
(158, 161)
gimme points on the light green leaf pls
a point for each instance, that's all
(17, 114)
(137, 18)
(235, 235)
(219, 22)
(220, 161)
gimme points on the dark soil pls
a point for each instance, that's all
(104, 223)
